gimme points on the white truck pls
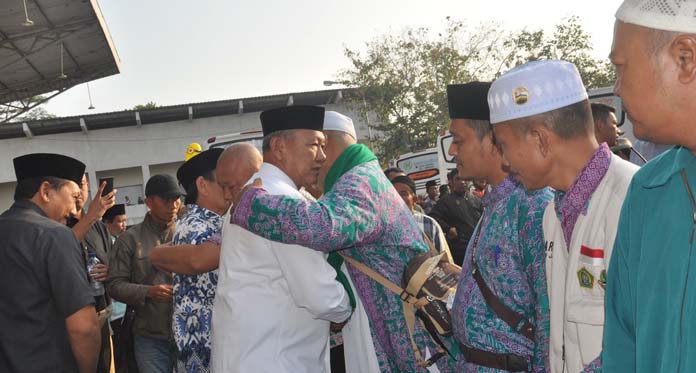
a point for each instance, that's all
(255, 137)
(421, 167)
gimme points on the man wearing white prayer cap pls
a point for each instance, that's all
(335, 121)
(650, 323)
(543, 124)
(358, 348)
(362, 215)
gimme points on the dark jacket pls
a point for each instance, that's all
(131, 275)
(98, 239)
(43, 280)
(461, 211)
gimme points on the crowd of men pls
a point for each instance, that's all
(303, 257)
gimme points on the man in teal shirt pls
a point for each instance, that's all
(651, 285)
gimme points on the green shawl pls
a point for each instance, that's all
(354, 155)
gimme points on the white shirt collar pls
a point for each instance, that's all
(268, 170)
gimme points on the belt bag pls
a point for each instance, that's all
(428, 281)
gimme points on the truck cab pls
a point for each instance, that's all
(255, 137)
(421, 166)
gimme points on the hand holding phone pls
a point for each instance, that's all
(100, 204)
(109, 185)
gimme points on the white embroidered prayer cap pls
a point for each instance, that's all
(334, 121)
(535, 88)
(668, 15)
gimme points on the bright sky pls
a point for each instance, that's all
(177, 52)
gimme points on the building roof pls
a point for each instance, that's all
(67, 43)
(172, 113)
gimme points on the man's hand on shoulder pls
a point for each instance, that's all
(235, 201)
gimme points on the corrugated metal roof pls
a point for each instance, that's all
(173, 113)
(30, 56)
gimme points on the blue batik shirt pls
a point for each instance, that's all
(511, 256)
(193, 295)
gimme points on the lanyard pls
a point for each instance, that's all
(693, 203)
(688, 267)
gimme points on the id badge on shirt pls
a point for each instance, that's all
(591, 272)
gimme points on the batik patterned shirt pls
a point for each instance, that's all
(193, 295)
(510, 255)
(569, 205)
(364, 215)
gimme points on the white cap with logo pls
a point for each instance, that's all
(535, 88)
(334, 121)
(667, 15)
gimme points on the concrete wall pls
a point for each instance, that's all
(132, 154)
(166, 168)
(123, 176)
(6, 195)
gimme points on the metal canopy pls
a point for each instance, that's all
(68, 44)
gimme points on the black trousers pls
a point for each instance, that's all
(104, 363)
(338, 361)
(130, 365)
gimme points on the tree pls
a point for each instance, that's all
(149, 105)
(38, 113)
(25, 110)
(403, 77)
(569, 42)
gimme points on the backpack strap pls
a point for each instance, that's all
(410, 303)
(403, 294)
(516, 321)
(431, 246)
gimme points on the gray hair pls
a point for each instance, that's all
(284, 134)
(568, 122)
(659, 40)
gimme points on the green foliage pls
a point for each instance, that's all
(403, 77)
(35, 114)
(19, 111)
(569, 42)
(149, 105)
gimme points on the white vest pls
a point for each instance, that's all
(274, 301)
(575, 281)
